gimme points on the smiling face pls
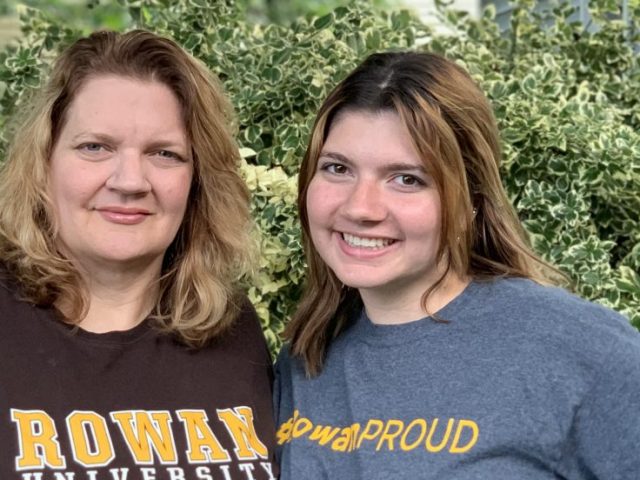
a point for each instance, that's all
(373, 211)
(120, 173)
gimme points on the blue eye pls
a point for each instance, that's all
(91, 147)
(169, 155)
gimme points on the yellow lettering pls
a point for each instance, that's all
(323, 434)
(302, 426)
(436, 448)
(462, 424)
(145, 432)
(355, 428)
(371, 431)
(347, 439)
(203, 445)
(239, 423)
(283, 435)
(409, 437)
(38, 440)
(388, 435)
(90, 440)
(423, 430)
(341, 443)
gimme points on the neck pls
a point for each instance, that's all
(396, 307)
(119, 297)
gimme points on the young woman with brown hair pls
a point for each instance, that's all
(426, 344)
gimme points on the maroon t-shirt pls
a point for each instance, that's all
(132, 405)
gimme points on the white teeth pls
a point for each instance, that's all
(373, 243)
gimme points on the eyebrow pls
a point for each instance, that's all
(160, 144)
(387, 168)
(405, 167)
(101, 137)
(336, 156)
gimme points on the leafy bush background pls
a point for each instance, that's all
(566, 98)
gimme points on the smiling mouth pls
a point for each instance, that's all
(365, 242)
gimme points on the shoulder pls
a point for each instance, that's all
(19, 318)
(245, 332)
(531, 298)
(289, 376)
(7, 283)
(10, 293)
(552, 313)
(283, 362)
(247, 320)
(289, 368)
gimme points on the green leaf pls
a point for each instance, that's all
(323, 22)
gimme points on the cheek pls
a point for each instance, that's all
(176, 191)
(424, 219)
(318, 203)
(67, 188)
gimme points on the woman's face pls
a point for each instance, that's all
(120, 173)
(374, 212)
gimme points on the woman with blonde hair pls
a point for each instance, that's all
(128, 350)
(426, 344)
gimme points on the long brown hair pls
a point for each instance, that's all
(454, 131)
(202, 265)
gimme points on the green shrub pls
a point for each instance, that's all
(565, 98)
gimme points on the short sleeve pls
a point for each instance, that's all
(607, 424)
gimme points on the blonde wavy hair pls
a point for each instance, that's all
(453, 129)
(198, 285)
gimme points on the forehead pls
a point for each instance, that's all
(103, 90)
(119, 103)
(371, 138)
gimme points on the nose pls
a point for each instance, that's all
(365, 202)
(129, 174)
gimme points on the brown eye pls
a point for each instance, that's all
(408, 180)
(334, 168)
(337, 168)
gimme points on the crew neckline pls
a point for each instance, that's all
(396, 333)
(114, 337)
(51, 317)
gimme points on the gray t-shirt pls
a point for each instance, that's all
(524, 382)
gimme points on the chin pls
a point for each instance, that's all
(362, 282)
(127, 257)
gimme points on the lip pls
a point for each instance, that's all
(123, 215)
(364, 253)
